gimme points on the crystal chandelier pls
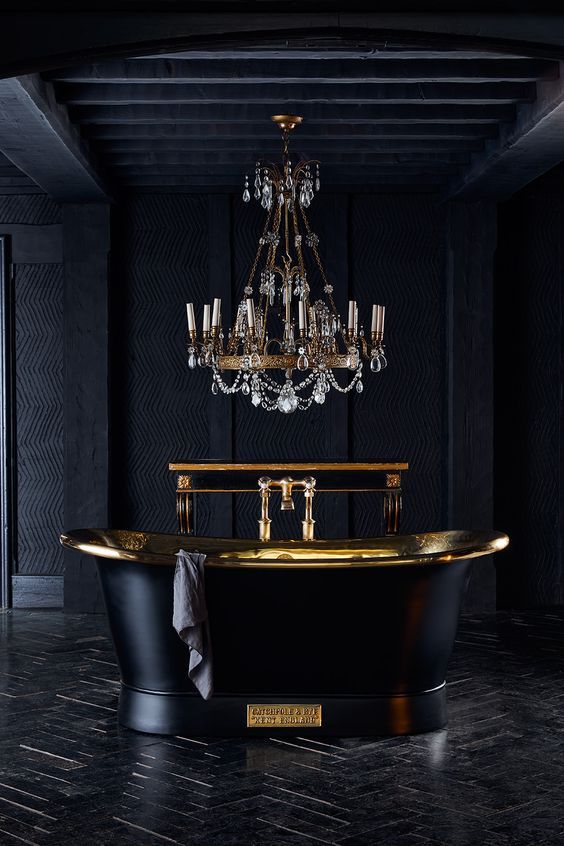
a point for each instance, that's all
(279, 326)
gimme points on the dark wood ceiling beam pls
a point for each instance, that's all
(8, 180)
(315, 113)
(258, 133)
(318, 148)
(206, 183)
(234, 173)
(525, 149)
(431, 185)
(236, 157)
(368, 93)
(38, 137)
(74, 36)
(387, 50)
(341, 72)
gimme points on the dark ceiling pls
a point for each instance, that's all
(396, 116)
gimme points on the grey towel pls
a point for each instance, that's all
(190, 618)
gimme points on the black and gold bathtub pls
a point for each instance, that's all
(342, 638)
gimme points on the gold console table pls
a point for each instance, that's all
(222, 477)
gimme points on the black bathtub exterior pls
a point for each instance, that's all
(370, 645)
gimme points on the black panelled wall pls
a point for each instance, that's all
(378, 248)
(33, 223)
(129, 404)
(529, 417)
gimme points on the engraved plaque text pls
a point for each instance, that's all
(283, 716)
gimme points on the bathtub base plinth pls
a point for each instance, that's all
(226, 716)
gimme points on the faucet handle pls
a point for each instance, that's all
(286, 485)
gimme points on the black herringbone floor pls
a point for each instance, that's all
(70, 775)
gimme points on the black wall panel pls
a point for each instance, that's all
(33, 222)
(383, 249)
(529, 417)
(31, 209)
(396, 259)
(39, 417)
(159, 406)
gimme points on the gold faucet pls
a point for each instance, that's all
(286, 485)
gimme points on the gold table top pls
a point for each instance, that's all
(208, 464)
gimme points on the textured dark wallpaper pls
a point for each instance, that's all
(395, 256)
(168, 249)
(382, 248)
(38, 288)
(159, 411)
(529, 413)
(39, 430)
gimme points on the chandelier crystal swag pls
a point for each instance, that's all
(279, 326)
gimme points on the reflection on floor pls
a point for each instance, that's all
(70, 775)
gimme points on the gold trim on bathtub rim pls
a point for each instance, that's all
(424, 549)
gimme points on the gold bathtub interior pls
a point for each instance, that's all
(157, 548)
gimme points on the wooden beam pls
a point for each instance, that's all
(316, 70)
(525, 149)
(17, 190)
(386, 49)
(236, 174)
(37, 136)
(204, 182)
(81, 35)
(367, 93)
(256, 133)
(239, 159)
(316, 113)
(383, 186)
(317, 148)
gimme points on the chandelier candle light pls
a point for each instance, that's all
(280, 327)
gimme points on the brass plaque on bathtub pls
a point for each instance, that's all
(283, 716)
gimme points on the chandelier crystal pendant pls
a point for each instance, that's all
(279, 326)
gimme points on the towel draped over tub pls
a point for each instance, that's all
(190, 618)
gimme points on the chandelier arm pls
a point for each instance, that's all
(271, 258)
(272, 341)
(364, 349)
(302, 166)
(318, 261)
(266, 301)
(286, 232)
(273, 248)
(272, 170)
(263, 304)
(297, 241)
(259, 251)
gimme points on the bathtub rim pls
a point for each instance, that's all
(473, 544)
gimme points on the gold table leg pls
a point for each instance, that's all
(392, 511)
(184, 504)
